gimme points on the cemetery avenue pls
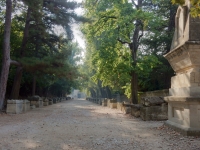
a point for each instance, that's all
(82, 125)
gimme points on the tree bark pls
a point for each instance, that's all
(19, 71)
(134, 47)
(6, 53)
(109, 95)
(34, 85)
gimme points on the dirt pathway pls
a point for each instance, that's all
(82, 125)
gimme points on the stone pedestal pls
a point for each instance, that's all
(184, 114)
(14, 106)
(184, 99)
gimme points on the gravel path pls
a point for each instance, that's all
(82, 125)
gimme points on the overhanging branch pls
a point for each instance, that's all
(16, 63)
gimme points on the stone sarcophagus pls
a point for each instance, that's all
(26, 105)
(45, 102)
(184, 99)
(36, 101)
(14, 106)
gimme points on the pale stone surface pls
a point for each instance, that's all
(45, 102)
(151, 101)
(184, 114)
(119, 106)
(184, 99)
(112, 103)
(104, 102)
(135, 110)
(158, 93)
(36, 100)
(154, 113)
(26, 105)
(14, 106)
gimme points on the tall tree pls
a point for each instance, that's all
(119, 22)
(6, 53)
(52, 13)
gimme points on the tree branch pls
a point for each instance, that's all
(134, 4)
(123, 42)
(16, 63)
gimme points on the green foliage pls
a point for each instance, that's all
(52, 58)
(113, 24)
(195, 6)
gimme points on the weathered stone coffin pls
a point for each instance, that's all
(104, 102)
(112, 103)
(36, 100)
(153, 108)
(26, 105)
(45, 102)
(135, 110)
(14, 106)
(119, 106)
(100, 101)
(50, 101)
(54, 100)
(152, 101)
(126, 107)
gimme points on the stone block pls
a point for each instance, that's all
(26, 105)
(32, 107)
(14, 106)
(112, 103)
(50, 101)
(119, 106)
(127, 110)
(153, 113)
(135, 110)
(104, 102)
(45, 102)
(151, 101)
(36, 100)
(183, 114)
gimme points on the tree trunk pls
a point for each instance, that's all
(19, 71)
(34, 85)
(6, 53)
(16, 84)
(109, 95)
(134, 88)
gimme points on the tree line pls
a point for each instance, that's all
(126, 41)
(35, 58)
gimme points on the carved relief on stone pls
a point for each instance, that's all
(173, 54)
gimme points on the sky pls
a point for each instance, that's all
(76, 29)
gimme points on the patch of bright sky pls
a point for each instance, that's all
(76, 28)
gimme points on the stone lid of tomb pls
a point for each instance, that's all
(14, 101)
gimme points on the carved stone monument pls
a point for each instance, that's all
(184, 57)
